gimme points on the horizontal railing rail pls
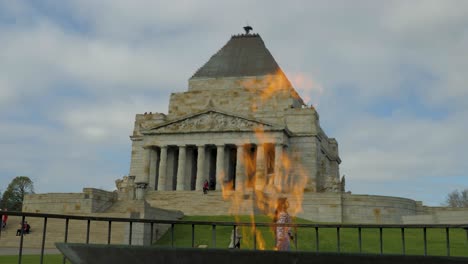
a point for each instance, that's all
(254, 226)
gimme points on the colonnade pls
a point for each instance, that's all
(172, 167)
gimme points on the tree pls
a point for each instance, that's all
(457, 198)
(14, 194)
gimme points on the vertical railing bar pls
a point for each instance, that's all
(254, 237)
(172, 235)
(425, 241)
(130, 233)
(338, 248)
(66, 237)
(20, 255)
(360, 239)
(213, 237)
(466, 230)
(447, 238)
(317, 239)
(403, 243)
(295, 238)
(1, 223)
(44, 230)
(109, 231)
(151, 230)
(193, 235)
(87, 231)
(234, 229)
(381, 240)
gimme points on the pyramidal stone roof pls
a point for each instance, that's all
(243, 55)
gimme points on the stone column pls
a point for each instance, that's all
(181, 169)
(260, 179)
(200, 168)
(162, 169)
(240, 168)
(278, 174)
(131, 187)
(140, 190)
(146, 164)
(152, 169)
(219, 167)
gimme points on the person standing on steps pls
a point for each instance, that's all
(4, 218)
(205, 187)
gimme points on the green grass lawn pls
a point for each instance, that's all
(392, 244)
(32, 259)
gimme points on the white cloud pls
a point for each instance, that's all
(424, 16)
(123, 58)
(107, 121)
(57, 160)
(42, 58)
(401, 147)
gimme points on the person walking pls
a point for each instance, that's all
(283, 233)
(235, 238)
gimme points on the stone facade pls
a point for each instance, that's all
(237, 127)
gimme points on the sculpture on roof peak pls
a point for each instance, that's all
(247, 29)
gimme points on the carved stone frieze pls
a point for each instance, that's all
(149, 124)
(211, 121)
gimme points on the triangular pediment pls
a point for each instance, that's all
(210, 121)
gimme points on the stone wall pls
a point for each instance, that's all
(302, 121)
(319, 207)
(89, 201)
(376, 209)
(438, 215)
(137, 164)
(262, 93)
(141, 233)
(240, 101)
(302, 154)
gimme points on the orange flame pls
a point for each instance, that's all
(269, 175)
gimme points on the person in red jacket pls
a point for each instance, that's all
(205, 187)
(4, 218)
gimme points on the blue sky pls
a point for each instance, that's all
(389, 79)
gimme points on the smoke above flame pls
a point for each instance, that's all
(307, 87)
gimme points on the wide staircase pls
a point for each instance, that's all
(125, 207)
(190, 202)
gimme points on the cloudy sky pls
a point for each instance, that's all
(389, 79)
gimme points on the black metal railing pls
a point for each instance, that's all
(254, 227)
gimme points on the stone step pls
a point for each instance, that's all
(197, 203)
(121, 207)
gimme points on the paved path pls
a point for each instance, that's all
(28, 251)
